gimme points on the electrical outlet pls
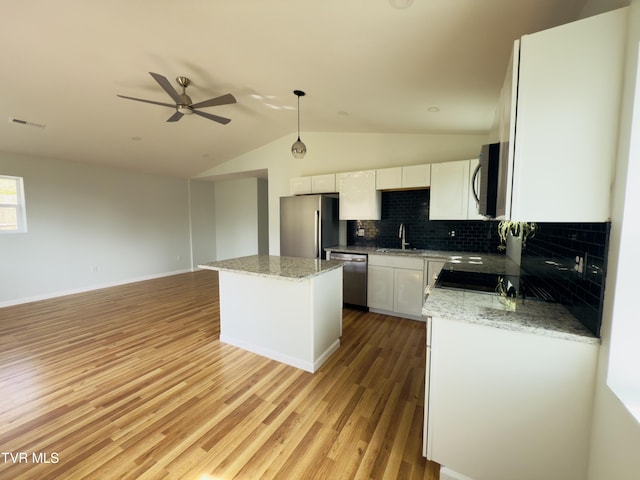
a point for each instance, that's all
(360, 232)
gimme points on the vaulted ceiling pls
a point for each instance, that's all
(379, 66)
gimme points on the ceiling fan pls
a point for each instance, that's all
(184, 105)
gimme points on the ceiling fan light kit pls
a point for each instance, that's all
(183, 103)
(298, 149)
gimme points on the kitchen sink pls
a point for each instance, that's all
(399, 250)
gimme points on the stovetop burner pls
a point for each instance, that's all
(474, 281)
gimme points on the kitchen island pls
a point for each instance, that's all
(287, 309)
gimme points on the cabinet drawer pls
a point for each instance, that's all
(381, 260)
(411, 263)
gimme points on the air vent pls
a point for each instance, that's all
(24, 122)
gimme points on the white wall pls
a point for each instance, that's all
(341, 152)
(237, 219)
(91, 226)
(203, 221)
(263, 216)
(615, 437)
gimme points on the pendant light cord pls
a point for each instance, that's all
(298, 117)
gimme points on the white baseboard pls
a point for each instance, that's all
(399, 315)
(300, 363)
(447, 474)
(89, 288)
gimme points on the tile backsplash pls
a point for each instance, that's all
(411, 208)
(550, 257)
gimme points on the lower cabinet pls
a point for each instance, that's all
(505, 404)
(396, 285)
(379, 287)
(408, 296)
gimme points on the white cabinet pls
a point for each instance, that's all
(395, 285)
(562, 140)
(359, 199)
(451, 191)
(389, 178)
(450, 186)
(504, 404)
(379, 287)
(412, 176)
(416, 176)
(300, 185)
(314, 184)
(324, 183)
(408, 295)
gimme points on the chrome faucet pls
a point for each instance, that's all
(401, 234)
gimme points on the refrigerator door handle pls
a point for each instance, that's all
(317, 234)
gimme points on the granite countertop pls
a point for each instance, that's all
(286, 268)
(467, 261)
(440, 254)
(533, 316)
(529, 316)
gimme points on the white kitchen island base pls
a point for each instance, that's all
(294, 319)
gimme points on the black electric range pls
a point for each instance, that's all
(522, 286)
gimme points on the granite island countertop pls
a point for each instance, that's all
(273, 266)
(530, 316)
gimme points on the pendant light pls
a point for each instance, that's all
(298, 149)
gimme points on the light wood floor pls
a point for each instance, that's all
(132, 382)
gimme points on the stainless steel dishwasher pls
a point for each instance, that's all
(354, 277)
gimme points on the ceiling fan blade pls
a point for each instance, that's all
(213, 102)
(148, 101)
(166, 86)
(215, 118)
(175, 117)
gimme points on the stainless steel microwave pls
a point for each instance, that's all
(485, 179)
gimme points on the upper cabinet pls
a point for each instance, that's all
(359, 198)
(314, 184)
(451, 191)
(452, 195)
(324, 183)
(560, 139)
(413, 176)
(389, 178)
(300, 185)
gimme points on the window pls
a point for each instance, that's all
(13, 216)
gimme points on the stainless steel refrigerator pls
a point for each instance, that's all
(308, 225)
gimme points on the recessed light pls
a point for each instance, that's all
(433, 109)
(136, 139)
(343, 113)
